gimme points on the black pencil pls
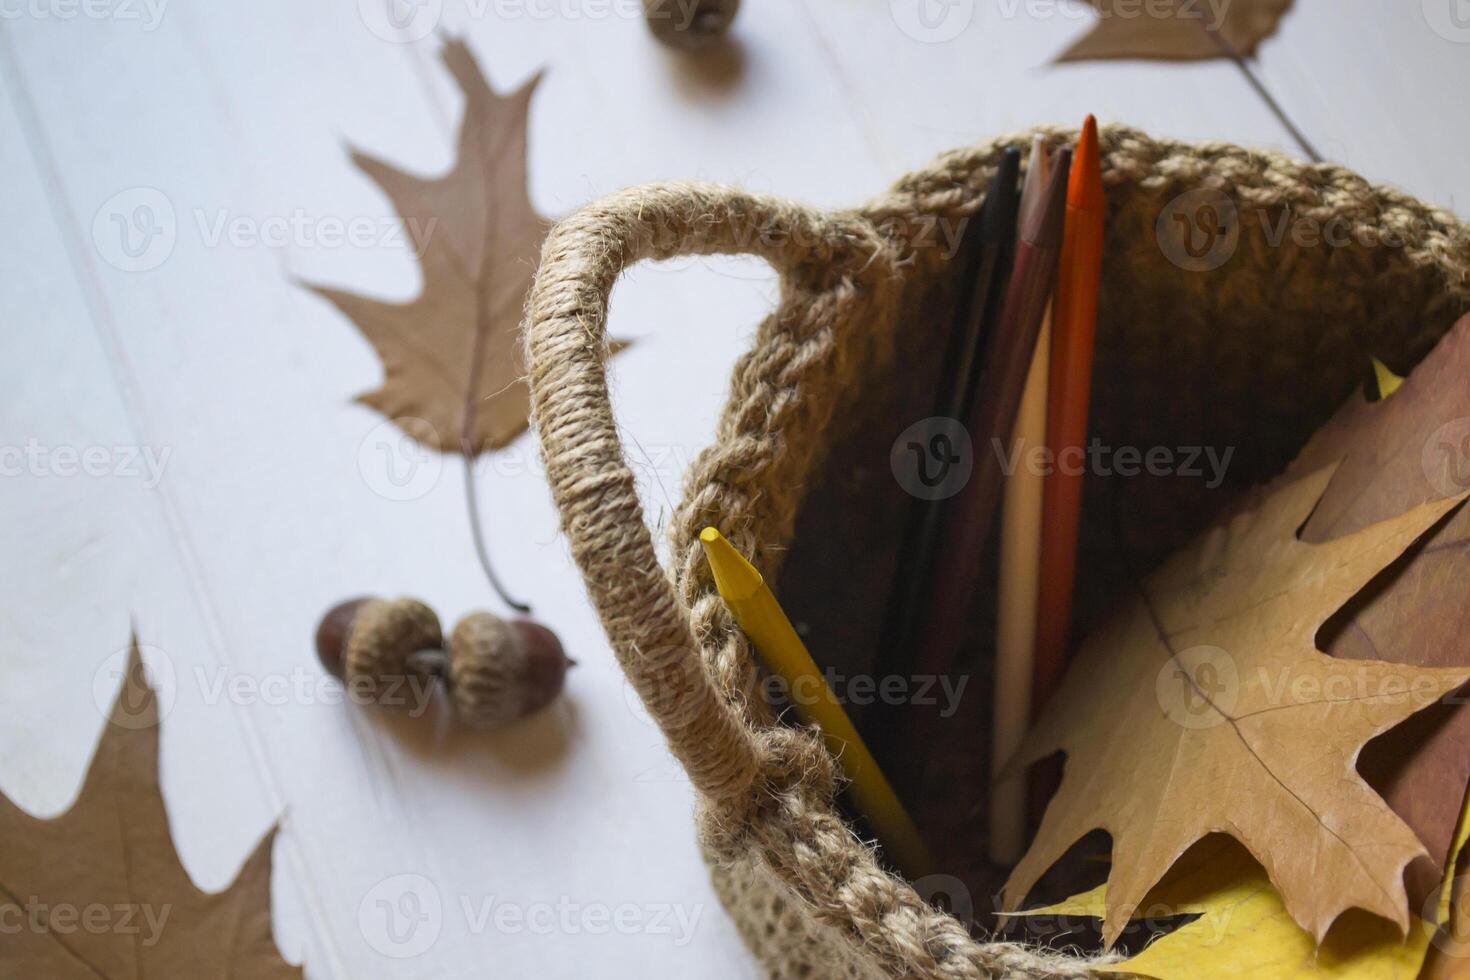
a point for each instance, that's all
(989, 247)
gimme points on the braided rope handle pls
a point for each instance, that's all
(586, 466)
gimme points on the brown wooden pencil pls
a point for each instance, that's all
(944, 624)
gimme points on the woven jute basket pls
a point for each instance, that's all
(1252, 351)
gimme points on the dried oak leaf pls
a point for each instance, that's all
(1204, 706)
(1408, 449)
(99, 892)
(1176, 30)
(453, 372)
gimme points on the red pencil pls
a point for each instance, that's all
(1074, 319)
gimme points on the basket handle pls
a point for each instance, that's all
(594, 489)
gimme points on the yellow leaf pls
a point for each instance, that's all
(1388, 382)
(1243, 929)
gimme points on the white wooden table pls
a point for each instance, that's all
(238, 491)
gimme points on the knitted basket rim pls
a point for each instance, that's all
(762, 788)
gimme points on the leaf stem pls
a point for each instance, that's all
(467, 449)
(1228, 50)
(477, 533)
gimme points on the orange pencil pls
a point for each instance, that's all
(1074, 319)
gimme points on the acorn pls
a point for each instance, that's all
(502, 670)
(376, 638)
(689, 25)
(496, 670)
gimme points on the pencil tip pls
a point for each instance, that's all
(1084, 189)
(735, 577)
(1043, 225)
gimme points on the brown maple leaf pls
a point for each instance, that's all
(1177, 30)
(451, 359)
(1204, 706)
(99, 892)
(1409, 449)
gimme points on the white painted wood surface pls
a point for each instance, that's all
(274, 499)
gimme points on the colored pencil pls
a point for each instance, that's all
(944, 623)
(989, 244)
(1073, 325)
(781, 650)
(1020, 552)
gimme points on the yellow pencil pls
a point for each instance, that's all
(760, 616)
